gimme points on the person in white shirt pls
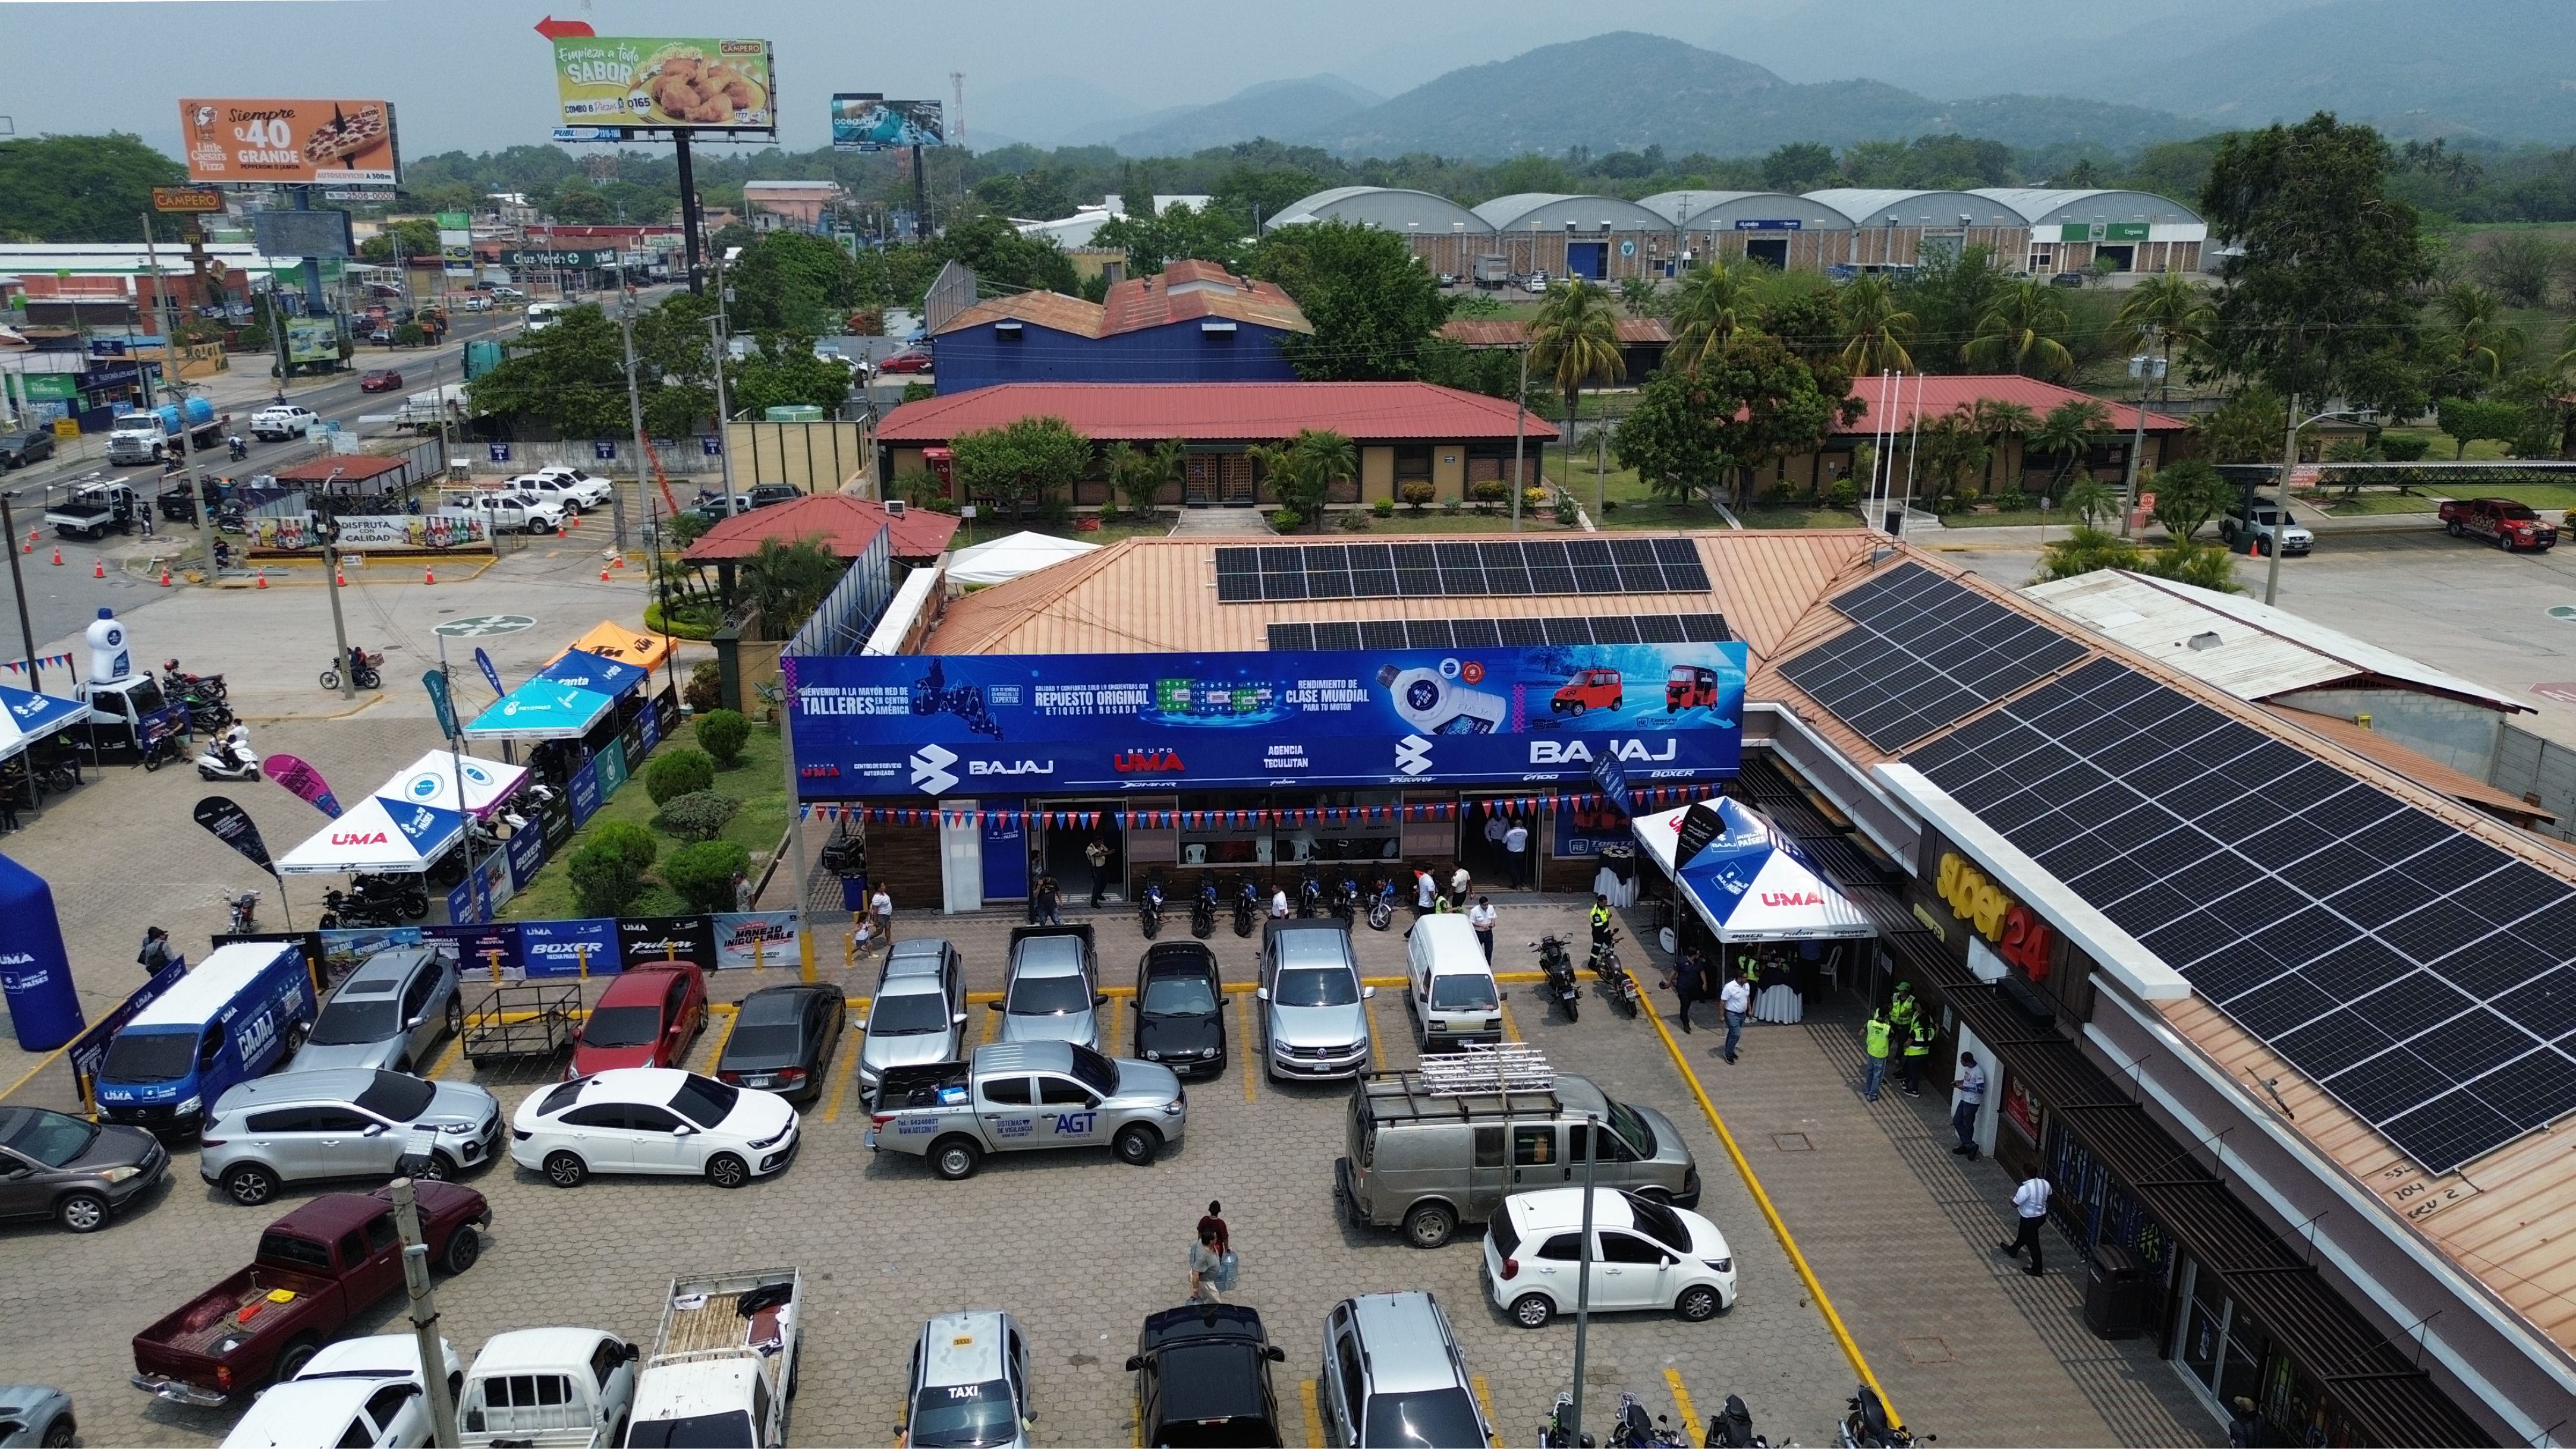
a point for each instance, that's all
(1425, 887)
(1458, 889)
(881, 906)
(1279, 903)
(1972, 1095)
(2030, 1200)
(1516, 853)
(1482, 918)
(1737, 997)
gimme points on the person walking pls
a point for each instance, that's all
(155, 954)
(2244, 1426)
(1737, 997)
(1206, 1262)
(1426, 889)
(741, 891)
(2030, 1201)
(881, 906)
(1278, 902)
(1494, 832)
(1599, 918)
(1516, 853)
(1689, 984)
(1874, 1041)
(1048, 901)
(1972, 1097)
(1918, 1049)
(1215, 1218)
(1482, 917)
(1097, 852)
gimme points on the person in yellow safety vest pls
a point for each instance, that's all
(1918, 1047)
(1874, 1040)
(1901, 1011)
(1750, 965)
(1601, 933)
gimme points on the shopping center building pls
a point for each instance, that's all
(2289, 1031)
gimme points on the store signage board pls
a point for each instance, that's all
(187, 198)
(663, 83)
(919, 728)
(274, 140)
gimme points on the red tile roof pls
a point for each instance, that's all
(847, 526)
(1216, 411)
(1511, 332)
(1934, 396)
(1186, 291)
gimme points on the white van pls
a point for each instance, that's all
(1455, 1001)
(542, 315)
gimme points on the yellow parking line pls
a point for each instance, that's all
(1314, 1414)
(1246, 1045)
(841, 1079)
(447, 1058)
(992, 1024)
(1682, 1401)
(1137, 1401)
(1485, 1397)
(726, 1035)
(1511, 1028)
(1377, 1053)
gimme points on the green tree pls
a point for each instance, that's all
(1139, 475)
(703, 871)
(608, 869)
(1875, 328)
(81, 188)
(2244, 429)
(1945, 451)
(2474, 339)
(1998, 423)
(1713, 303)
(418, 235)
(722, 733)
(1002, 258)
(2521, 266)
(1258, 193)
(571, 376)
(2022, 331)
(2084, 550)
(2202, 565)
(1025, 462)
(2189, 494)
(1303, 470)
(1798, 166)
(1673, 437)
(1637, 296)
(1574, 341)
(674, 773)
(1949, 294)
(2165, 311)
(782, 371)
(1154, 242)
(2067, 433)
(1373, 306)
(793, 281)
(786, 581)
(2467, 420)
(2321, 266)
(1742, 409)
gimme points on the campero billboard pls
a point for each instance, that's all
(914, 726)
(290, 141)
(687, 83)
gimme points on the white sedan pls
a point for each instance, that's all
(652, 1120)
(1645, 1254)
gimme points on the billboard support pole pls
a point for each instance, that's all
(690, 219)
(920, 199)
(167, 317)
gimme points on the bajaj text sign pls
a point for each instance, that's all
(922, 727)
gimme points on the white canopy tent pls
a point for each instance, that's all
(377, 836)
(432, 779)
(1009, 558)
(1749, 882)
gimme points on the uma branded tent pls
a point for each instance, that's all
(432, 779)
(1746, 880)
(30, 716)
(379, 837)
(1005, 559)
(541, 710)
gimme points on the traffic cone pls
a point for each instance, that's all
(259, 578)
(603, 573)
(339, 578)
(621, 562)
(559, 528)
(98, 570)
(165, 576)
(428, 575)
(58, 555)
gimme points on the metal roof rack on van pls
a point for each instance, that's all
(1515, 1066)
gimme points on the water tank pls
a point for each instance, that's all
(794, 413)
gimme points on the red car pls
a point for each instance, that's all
(2505, 522)
(911, 360)
(647, 1018)
(1590, 689)
(382, 379)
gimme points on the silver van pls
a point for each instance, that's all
(387, 1016)
(1424, 1152)
(1393, 1375)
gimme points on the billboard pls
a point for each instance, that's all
(870, 122)
(663, 82)
(924, 727)
(560, 257)
(313, 341)
(275, 140)
(302, 233)
(456, 243)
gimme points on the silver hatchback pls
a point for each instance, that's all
(299, 1126)
(386, 1017)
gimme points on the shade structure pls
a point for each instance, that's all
(1009, 558)
(378, 837)
(31, 716)
(1749, 882)
(431, 780)
(595, 672)
(612, 640)
(540, 710)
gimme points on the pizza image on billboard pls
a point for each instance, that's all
(289, 141)
(664, 82)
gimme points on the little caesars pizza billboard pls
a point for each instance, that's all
(289, 141)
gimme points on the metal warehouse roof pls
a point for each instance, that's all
(2040, 206)
(1934, 209)
(1391, 208)
(1217, 411)
(1551, 210)
(1931, 397)
(1705, 209)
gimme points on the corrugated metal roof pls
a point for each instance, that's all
(1935, 209)
(2262, 652)
(1512, 332)
(1217, 411)
(1053, 310)
(1187, 291)
(847, 525)
(1931, 397)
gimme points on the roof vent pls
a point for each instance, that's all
(894, 508)
(2204, 640)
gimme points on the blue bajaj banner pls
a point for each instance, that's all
(526, 849)
(584, 792)
(927, 726)
(568, 948)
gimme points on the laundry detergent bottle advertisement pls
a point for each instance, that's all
(928, 726)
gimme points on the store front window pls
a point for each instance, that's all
(1233, 829)
(2228, 1356)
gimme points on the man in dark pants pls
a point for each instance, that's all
(2030, 1201)
(1972, 1096)
(1689, 984)
(1097, 852)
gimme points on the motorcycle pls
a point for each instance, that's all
(364, 670)
(245, 914)
(1732, 1428)
(1346, 898)
(341, 909)
(403, 894)
(1381, 906)
(1605, 966)
(236, 449)
(1866, 1426)
(1310, 897)
(1555, 1434)
(1203, 911)
(1631, 1429)
(1555, 963)
(178, 684)
(1149, 911)
(229, 758)
(1247, 906)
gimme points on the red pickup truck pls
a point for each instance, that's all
(2508, 524)
(317, 1267)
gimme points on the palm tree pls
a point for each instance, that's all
(1875, 328)
(1330, 458)
(2476, 335)
(1575, 340)
(2163, 310)
(2066, 432)
(1709, 308)
(1995, 422)
(2020, 331)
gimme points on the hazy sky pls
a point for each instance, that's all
(473, 75)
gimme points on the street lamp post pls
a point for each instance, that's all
(2148, 370)
(2281, 493)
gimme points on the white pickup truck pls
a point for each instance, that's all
(548, 1388)
(724, 1365)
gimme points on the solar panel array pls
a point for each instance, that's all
(2422, 976)
(1382, 634)
(1926, 652)
(1274, 572)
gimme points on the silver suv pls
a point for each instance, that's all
(297, 1126)
(386, 1016)
(1314, 1012)
(1393, 1375)
(1053, 992)
(918, 1015)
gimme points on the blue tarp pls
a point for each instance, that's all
(541, 710)
(595, 672)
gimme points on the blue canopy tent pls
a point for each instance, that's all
(31, 716)
(1749, 882)
(542, 709)
(594, 672)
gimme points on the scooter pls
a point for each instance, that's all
(1631, 1429)
(1149, 911)
(1605, 965)
(230, 757)
(1867, 1426)
(1381, 906)
(245, 914)
(1203, 911)
(1732, 1428)
(1247, 906)
(1558, 966)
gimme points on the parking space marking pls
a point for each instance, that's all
(1485, 1397)
(1248, 1046)
(707, 1063)
(447, 1059)
(1682, 1401)
(1511, 1028)
(1314, 1414)
(992, 1021)
(841, 1075)
(1377, 1052)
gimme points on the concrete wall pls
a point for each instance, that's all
(2455, 732)
(2527, 765)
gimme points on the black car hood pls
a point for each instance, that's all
(1173, 1034)
(116, 1146)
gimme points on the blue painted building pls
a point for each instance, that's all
(1194, 323)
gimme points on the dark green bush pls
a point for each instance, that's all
(658, 899)
(721, 733)
(674, 773)
(608, 870)
(703, 873)
(705, 689)
(628, 840)
(698, 815)
(2403, 450)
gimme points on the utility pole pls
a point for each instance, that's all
(1583, 1271)
(724, 445)
(339, 627)
(162, 309)
(424, 1312)
(2148, 370)
(1520, 426)
(18, 581)
(634, 404)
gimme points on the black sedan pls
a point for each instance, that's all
(75, 1172)
(1180, 1008)
(17, 450)
(783, 1041)
(1203, 1377)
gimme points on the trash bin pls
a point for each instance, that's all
(2115, 1293)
